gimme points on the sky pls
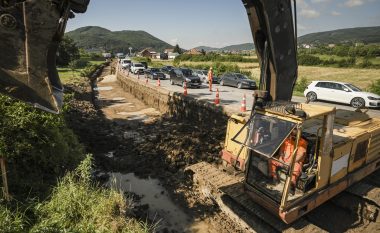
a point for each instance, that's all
(217, 23)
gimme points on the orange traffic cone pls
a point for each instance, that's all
(243, 104)
(217, 100)
(185, 89)
(158, 82)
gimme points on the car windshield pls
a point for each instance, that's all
(204, 72)
(155, 70)
(353, 88)
(240, 76)
(139, 65)
(187, 72)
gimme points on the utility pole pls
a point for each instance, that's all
(130, 51)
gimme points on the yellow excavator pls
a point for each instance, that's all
(328, 150)
(338, 147)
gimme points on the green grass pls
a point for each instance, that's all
(66, 74)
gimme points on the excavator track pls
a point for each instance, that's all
(226, 190)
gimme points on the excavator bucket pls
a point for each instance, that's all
(30, 32)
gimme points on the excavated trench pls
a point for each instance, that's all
(143, 137)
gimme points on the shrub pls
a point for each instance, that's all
(78, 64)
(38, 147)
(309, 60)
(301, 85)
(77, 205)
(375, 87)
(89, 71)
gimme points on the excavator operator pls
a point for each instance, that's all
(285, 153)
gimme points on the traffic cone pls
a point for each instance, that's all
(185, 89)
(158, 82)
(243, 104)
(217, 100)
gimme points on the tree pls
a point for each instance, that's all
(67, 52)
(177, 49)
(203, 52)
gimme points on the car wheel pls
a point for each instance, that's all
(239, 85)
(357, 102)
(171, 82)
(311, 96)
(222, 83)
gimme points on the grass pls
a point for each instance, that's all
(66, 74)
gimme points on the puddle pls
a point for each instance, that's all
(161, 207)
(103, 88)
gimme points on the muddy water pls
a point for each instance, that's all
(161, 208)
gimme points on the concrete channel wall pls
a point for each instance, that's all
(174, 104)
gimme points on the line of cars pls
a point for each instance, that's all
(192, 77)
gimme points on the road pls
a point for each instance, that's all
(231, 97)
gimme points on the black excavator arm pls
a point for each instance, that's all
(30, 32)
(273, 29)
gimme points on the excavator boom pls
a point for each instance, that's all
(272, 24)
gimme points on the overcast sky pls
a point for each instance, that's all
(217, 23)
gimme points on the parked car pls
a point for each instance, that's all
(166, 69)
(154, 73)
(340, 92)
(125, 63)
(137, 68)
(145, 64)
(180, 75)
(237, 80)
(203, 75)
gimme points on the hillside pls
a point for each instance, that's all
(119, 41)
(238, 47)
(362, 34)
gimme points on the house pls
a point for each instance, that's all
(148, 52)
(107, 55)
(331, 45)
(168, 51)
(193, 52)
(173, 55)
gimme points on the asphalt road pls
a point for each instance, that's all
(231, 97)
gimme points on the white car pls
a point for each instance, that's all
(125, 63)
(341, 93)
(137, 68)
(202, 74)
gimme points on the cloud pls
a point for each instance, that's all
(353, 3)
(306, 11)
(335, 13)
(309, 13)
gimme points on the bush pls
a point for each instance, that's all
(366, 63)
(89, 71)
(301, 85)
(78, 64)
(76, 205)
(309, 60)
(375, 87)
(38, 147)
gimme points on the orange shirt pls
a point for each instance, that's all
(210, 75)
(287, 149)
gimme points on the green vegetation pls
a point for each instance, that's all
(214, 58)
(375, 87)
(77, 205)
(67, 52)
(335, 61)
(348, 35)
(300, 86)
(120, 41)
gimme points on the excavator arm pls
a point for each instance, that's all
(30, 32)
(273, 29)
